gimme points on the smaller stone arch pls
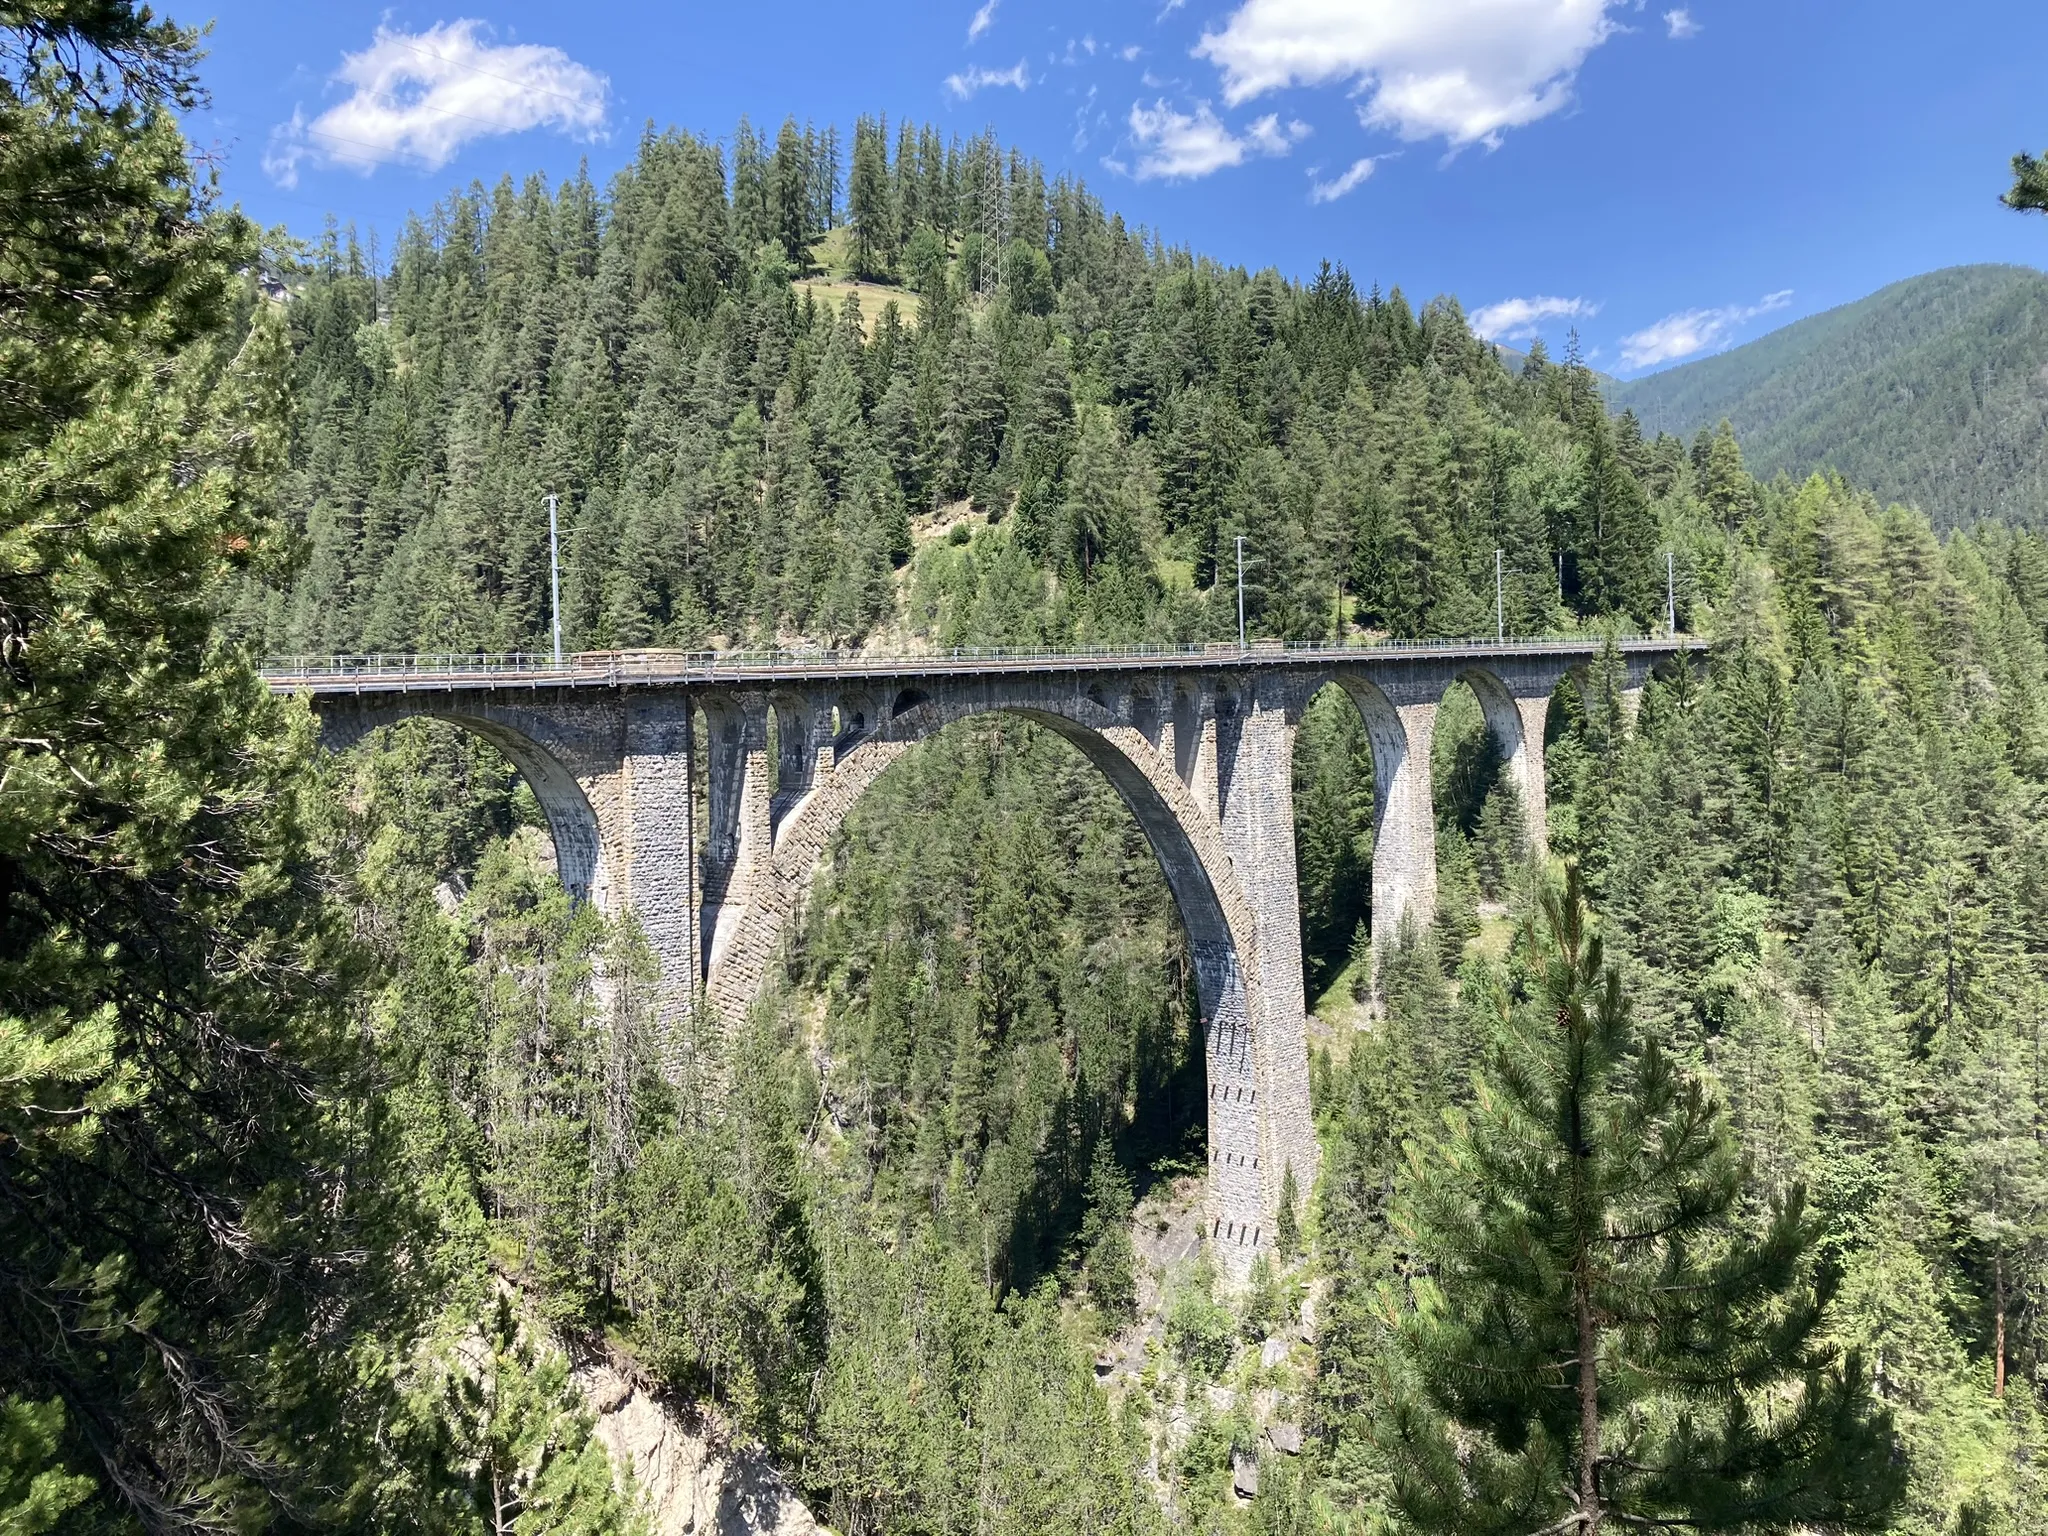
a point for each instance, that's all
(799, 725)
(856, 712)
(1516, 722)
(573, 823)
(1145, 719)
(737, 824)
(1404, 814)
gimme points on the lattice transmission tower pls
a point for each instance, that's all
(994, 218)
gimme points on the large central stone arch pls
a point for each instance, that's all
(1250, 1147)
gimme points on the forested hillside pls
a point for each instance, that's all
(329, 1115)
(738, 463)
(1928, 392)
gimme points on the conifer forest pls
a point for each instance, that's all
(332, 1135)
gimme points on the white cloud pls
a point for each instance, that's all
(1350, 181)
(1681, 24)
(1519, 319)
(1692, 331)
(1130, 53)
(1269, 138)
(1177, 145)
(1462, 70)
(967, 82)
(420, 97)
(983, 20)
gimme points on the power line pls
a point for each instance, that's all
(418, 161)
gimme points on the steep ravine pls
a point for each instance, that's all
(694, 1483)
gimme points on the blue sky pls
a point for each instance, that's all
(1669, 180)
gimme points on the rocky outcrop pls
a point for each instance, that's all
(694, 1484)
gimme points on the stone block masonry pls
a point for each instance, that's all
(1200, 747)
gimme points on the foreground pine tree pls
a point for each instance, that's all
(2029, 193)
(1597, 1335)
(171, 1146)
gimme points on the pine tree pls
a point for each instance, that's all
(35, 1490)
(867, 196)
(1105, 1237)
(791, 193)
(1615, 532)
(171, 1038)
(1597, 1336)
(514, 1446)
(1724, 485)
(1287, 1230)
(2004, 1195)
(753, 219)
(2029, 191)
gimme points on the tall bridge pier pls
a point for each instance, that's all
(1200, 746)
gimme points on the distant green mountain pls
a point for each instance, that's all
(1933, 391)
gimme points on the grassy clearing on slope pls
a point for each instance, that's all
(872, 297)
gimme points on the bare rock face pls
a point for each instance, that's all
(693, 1485)
(1244, 1475)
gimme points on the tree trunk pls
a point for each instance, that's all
(1582, 1305)
(1998, 1324)
(1589, 1403)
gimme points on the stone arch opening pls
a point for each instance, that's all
(1403, 831)
(572, 821)
(723, 738)
(1127, 1050)
(1145, 716)
(1187, 734)
(792, 740)
(1208, 900)
(1479, 757)
(1201, 908)
(852, 719)
(1335, 804)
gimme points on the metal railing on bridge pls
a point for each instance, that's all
(602, 668)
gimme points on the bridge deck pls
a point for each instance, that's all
(621, 669)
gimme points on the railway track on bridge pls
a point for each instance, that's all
(662, 668)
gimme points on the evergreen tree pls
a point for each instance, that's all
(753, 218)
(870, 215)
(792, 205)
(35, 1490)
(1615, 534)
(1105, 1237)
(171, 1030)
(2029, 190)
(514, 1448)
(1597, 1330)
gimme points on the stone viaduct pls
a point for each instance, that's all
(1199, 744)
